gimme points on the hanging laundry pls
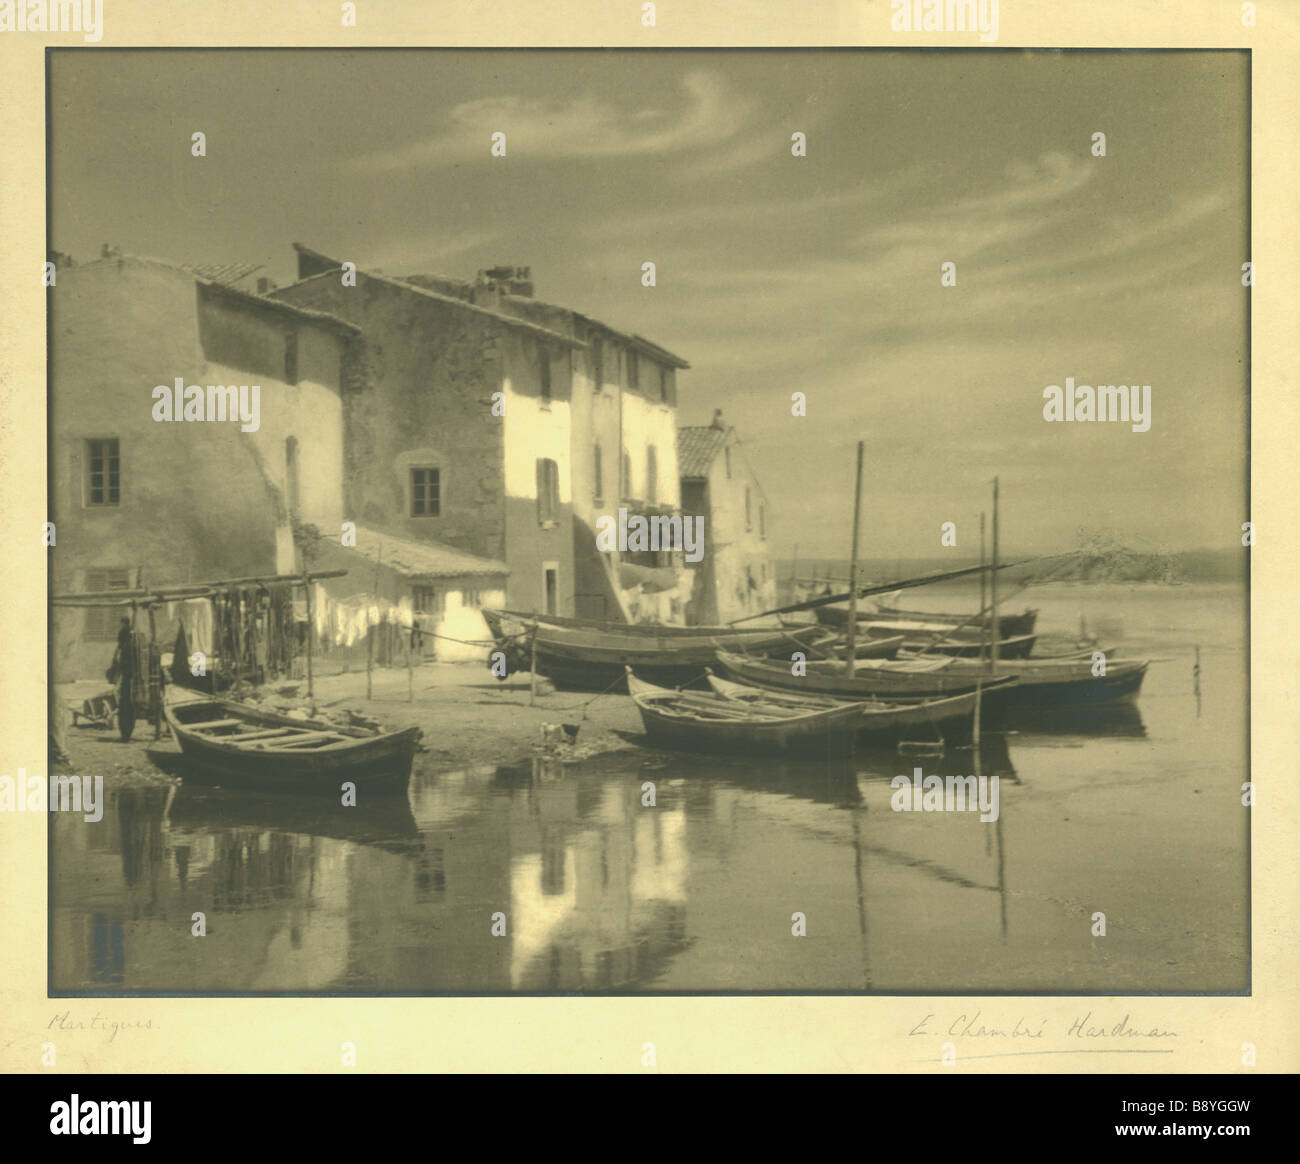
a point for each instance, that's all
(198, 619)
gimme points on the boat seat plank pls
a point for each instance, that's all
(208, 725)
(265, 733)
(302, 738)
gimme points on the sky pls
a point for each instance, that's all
(775, 274)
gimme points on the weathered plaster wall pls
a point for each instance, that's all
(195, 503)
(425, 400)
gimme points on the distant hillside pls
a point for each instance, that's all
(1099, 561)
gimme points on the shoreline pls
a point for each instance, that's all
(469, 719)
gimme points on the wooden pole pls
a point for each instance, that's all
(993, 586)
(976, 730)
(371, 629)
(983, 587)
(850, 662)
(155, 708)
(410, 668)
(311, 631)
(532, 668)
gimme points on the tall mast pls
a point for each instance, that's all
(853, 570)
(993, 586)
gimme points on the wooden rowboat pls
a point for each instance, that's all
(226, 742)
(837, 614)
(1011, 624)
(829, 678)
(707, 722)
(882, 720)
(592, 656)
(1065, 681)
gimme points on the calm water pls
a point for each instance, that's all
(1139, 817)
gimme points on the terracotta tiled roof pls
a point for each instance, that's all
(421, 559)
(697, 445)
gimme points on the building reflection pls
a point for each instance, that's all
(302, 894)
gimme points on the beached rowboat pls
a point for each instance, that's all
(882, 720)
(226, 742)
(708, 722)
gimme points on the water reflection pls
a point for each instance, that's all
(602, 890)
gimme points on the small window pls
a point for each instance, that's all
(598, 486)
(548, 491)
(633, 371)
(762, 520)
(471, 598)
(748, 525)
(544, 361)
(427, 600)
(426, 493)
(291, 357)
(103, 472)
(665, 385)
(102, 621)
(597, 364)
(651, 474)
(291, 471)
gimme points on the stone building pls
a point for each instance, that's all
(504, 426)
(459, 430)
(736, 576)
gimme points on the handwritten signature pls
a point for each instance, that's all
(67, 1022)
(974, 1026)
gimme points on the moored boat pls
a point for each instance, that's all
(837, 614)
(829, 678)
(882, 720)
(589, 655)
(1011, 624)
(1065, 681)
(709, 722)
(223, 741)
(1019, 647)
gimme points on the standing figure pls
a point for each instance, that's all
(122, 672)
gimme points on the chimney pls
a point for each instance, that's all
(506, 281)
(717, 420)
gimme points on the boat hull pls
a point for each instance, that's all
(837, 614)
(1049, 683)
(586, 656)
(376, 765)
(672, 723)
(865, 683)
(882, 722)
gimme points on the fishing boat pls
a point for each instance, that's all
(837, 614)
(708, 722)
(829, 678)
(1065, 681)
(589, 655)
(1018, 647)
(1011, 624)
(223, 741)
(882, 720)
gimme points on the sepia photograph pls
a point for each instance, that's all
(626, 522)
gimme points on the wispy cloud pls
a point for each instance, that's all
(586, 127)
